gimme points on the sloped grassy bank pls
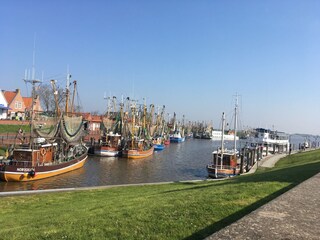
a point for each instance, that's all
(190, 210)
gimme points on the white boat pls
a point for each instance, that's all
(110, 146)
(267, 136)
(217, 134)
(271, 140)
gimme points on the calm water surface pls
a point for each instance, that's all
(177, 162)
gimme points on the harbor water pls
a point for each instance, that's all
(177, 162)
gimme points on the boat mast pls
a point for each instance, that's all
(55, 94)
(67, 92)
(121, 115)
(235, 123)
(144, 114)
(73, 95)
(222, 138)
(133, 113)
(33, 82)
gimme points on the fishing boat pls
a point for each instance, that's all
(159, 138)
(55, 146)
(138, 149)
(111, 144)
(158, 143)
(225, 162)
(177, 137)
(139, 143)
(176, 132)
(167, 142)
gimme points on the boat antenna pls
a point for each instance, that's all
(235, 122)
(222, 137)
(34, 57)
(67, 90)
(33, 81)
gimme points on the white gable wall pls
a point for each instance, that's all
(3, 102)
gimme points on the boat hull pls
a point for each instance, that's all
(177, 140)
(158, 147)
(137, 154)
(10, 173)
(222, 172)
(106, 152)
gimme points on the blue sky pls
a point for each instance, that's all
(192, 56)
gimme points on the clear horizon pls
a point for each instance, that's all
(191, 56)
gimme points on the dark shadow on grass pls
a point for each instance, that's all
(234, 217)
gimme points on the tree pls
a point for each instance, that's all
(46, 95)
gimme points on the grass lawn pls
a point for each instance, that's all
(4, 128)
(191, 210)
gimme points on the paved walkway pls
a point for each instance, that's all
(293, 215)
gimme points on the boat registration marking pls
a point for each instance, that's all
(24, 169)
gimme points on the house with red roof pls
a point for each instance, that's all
(28, 104)
(18, 105)
(93, 121)
(15, 103)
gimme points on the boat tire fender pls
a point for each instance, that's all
(43, 151)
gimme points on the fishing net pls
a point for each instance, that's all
(71, 129)
(45, 126)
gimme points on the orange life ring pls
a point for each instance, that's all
(43, 151)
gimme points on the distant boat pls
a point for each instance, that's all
(139, 149)
(216, 136)
(189, 135)
(167, 142)
(273, 141)
(177, 132)
(158, 143)
(138, 143)
(305, 145)
(177, 137)
(110, 144)
(206, 135)
(158, 131)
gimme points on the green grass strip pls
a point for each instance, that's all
(191, 210)
(4, 128)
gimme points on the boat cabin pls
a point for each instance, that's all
(229, 160)
(42, 155)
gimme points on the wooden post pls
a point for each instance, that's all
(253, 155)
(242, 158)
(274, 148)
(247, 160)
(267, 149)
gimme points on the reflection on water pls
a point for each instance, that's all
(177, 162)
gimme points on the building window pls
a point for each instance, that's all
(18, 105)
